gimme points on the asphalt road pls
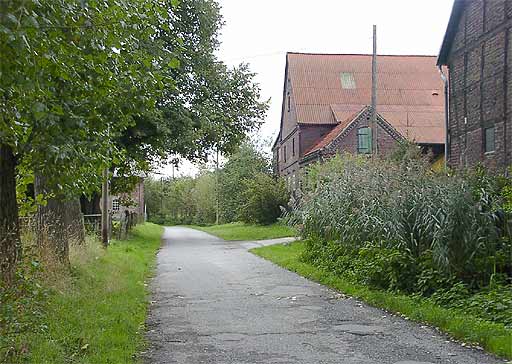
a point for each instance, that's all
(214, 302)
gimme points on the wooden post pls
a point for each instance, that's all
(374, 127)
(105, 223)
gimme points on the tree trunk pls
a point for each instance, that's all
(75, 221)
(53, 223)
(10, 244)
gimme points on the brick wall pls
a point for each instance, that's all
(289, 114)
(347, 142)
(480, 89)
(289, 163)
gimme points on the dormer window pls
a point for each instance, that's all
(348, 81)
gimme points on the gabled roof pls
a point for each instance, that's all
(329, 137)
(409, 91)
(345, 125)
(451, 30)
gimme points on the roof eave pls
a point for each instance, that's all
(458, 6)
(310, 155)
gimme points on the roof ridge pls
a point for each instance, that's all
(359, 54)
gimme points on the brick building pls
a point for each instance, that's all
(129, 203)
(132, 202)
(326, 110)
(477, 53)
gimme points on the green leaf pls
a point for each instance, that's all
(174, 63)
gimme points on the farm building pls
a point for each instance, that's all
(326, 107)
(476, 50)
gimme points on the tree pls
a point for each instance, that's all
(73, 76)
(94, 84)
(205, 197)
(242, 165)
(264, 196)
(209, 108)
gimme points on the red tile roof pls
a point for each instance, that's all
(329, 137)
(409, 91)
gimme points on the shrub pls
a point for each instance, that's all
(403, 226)
(263, 197)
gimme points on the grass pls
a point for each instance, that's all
(493, 337)
(97, 314)
(241, 231)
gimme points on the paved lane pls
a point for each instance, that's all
(214, 302)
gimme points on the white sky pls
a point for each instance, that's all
(260, 32)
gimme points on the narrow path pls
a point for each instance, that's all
(214, 302)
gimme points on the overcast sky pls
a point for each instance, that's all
(260, 32)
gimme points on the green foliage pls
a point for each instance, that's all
(264, 197)
(240, 168)
(70, 84)
(244, 189)
(204, 198)
(241, 231)
(22, 310)
(206, 107)
(396, 225)
(454, 220)
(86, 85)
(94, 316)
(171, 201)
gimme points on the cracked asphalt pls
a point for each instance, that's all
(214, 302)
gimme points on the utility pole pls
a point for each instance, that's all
(162, 194)
(217, 212)
(105, 213)
(374, 127)
(105, 226)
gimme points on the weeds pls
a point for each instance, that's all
(90, 311)
(396, 225)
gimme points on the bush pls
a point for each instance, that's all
(397, 225)
(403, 206)
(263, 197)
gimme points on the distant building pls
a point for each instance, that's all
(326, 110)
(476, 48)
(129, 203)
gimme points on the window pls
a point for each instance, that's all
(289, 102)
(348, 81)
(115, 204)
(364, 140)
(293, 147)
(489, 142)
(284, 153)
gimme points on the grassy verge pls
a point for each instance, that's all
(495, 338)
(96, 314)
(240, 231)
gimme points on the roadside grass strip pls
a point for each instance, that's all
(241, 231)
(493, 337)
(98, 317)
